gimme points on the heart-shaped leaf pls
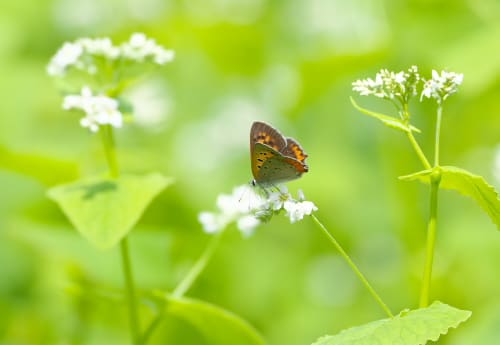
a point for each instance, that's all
(467, 184)
(414, 327)
(104, 210)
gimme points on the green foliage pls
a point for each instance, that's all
(467, 184)
(389, 121)
(293, 69)
(414, 327)
(104, 210)
(47, 170)
(218, 326)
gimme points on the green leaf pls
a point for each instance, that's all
(49, 171)
(467, 184)
(414, 327)
(387, 120)
(217, 325)
(104, 210)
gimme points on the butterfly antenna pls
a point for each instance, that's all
(243, 194)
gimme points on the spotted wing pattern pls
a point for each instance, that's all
(293, 149)
(274, 158)
(261, 154)
(263, 133)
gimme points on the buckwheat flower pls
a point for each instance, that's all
(245, 199)
(86, 54)
(99, 47)
(140, 48)
(90, 123)
(400, 86)
(211, 222)
(247, 224)
(99, 110)
(78, 101)
(368, 86)
(238, 207)
(161, 55)
(412, 79)
(296, 210)
(66, 56)
(250, 206)
(440, 86)
(276, 199)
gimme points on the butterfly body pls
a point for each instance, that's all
(274, 158)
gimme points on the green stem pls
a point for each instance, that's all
(431, 228)
(186, 283)
(431, 242)
(418, 150)
(130, 290)
(110, 152)
(413, 141)
(198, 267)
(152, 327)
(354, 267)
(438, 135)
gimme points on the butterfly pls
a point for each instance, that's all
(274, 158)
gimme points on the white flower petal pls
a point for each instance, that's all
(247, 224)
(297, 210)
(99, 110)
(226, 204)
(210, 222)
(65, 57)
(139, 48)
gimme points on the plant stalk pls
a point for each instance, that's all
(185, 283)
(418, 150)
(438, 135)
(405, 117)
(130, 291)
(431, 242)
(432, 226)
(353, 267)
(110, 152)
(198, 267)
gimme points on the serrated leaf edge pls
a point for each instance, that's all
(466, 316)
(454, 169)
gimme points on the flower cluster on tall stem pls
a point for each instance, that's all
(104, 65)
(401, 87)
(105, 69)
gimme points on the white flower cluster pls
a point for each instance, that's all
(390, 85)
(403, 85)
(249, 207)
(84, 53)
(67, 56)
(440, 86)
(99, 110)
(140, 48)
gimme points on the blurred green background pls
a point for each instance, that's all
(288, 62)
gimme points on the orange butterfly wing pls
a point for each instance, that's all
(274, 158)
